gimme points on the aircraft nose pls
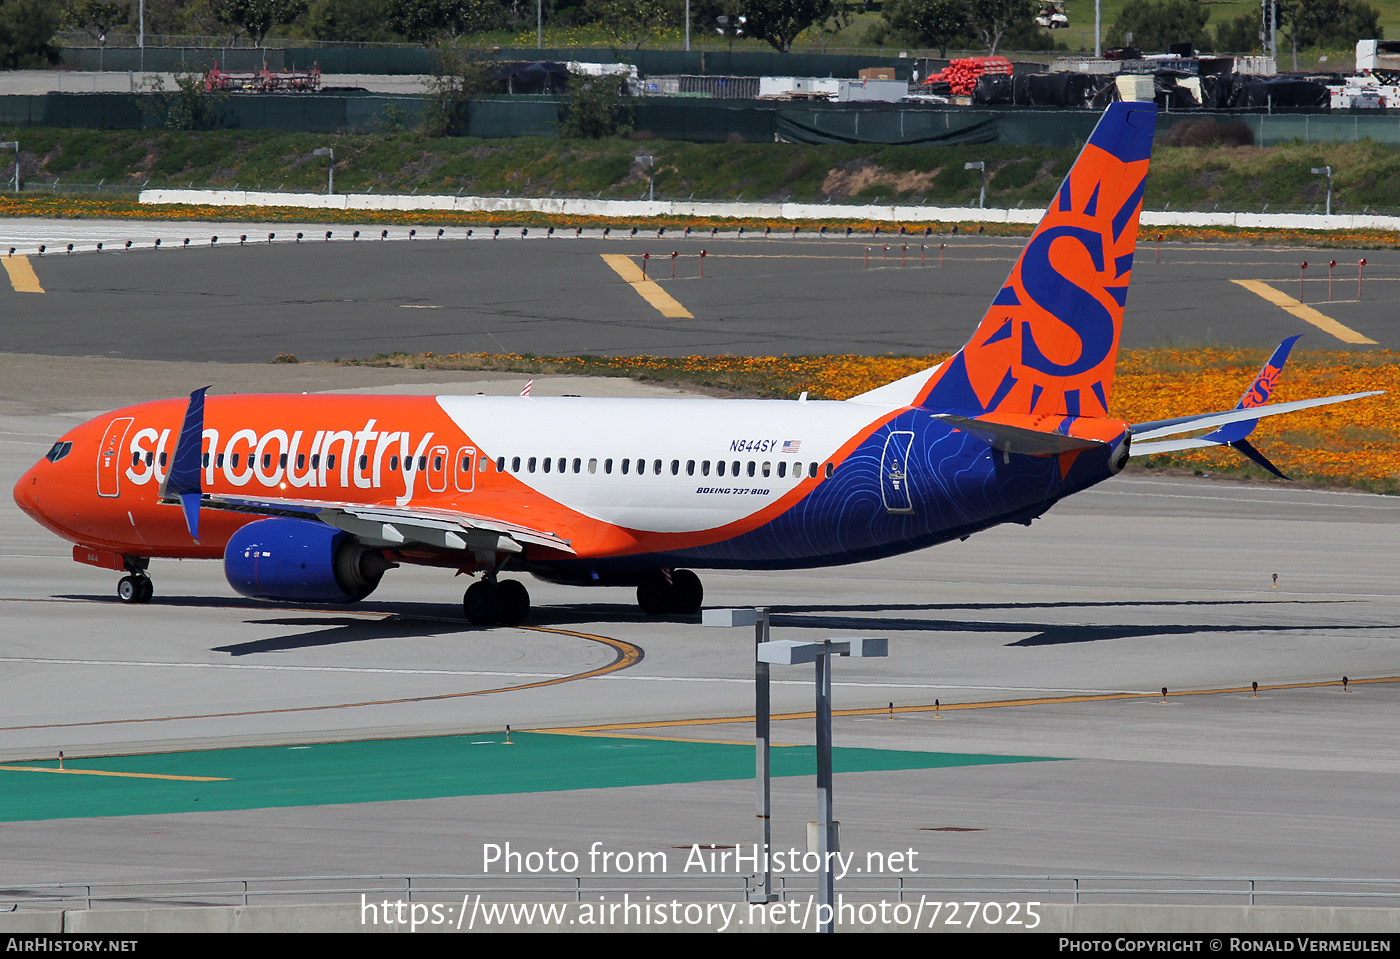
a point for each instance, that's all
(26, 492)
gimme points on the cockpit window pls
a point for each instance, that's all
(58, 451)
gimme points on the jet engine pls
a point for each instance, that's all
(297, 560)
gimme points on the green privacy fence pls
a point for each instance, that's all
(690, 119)
(417, 60)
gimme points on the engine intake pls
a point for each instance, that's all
(297, 560)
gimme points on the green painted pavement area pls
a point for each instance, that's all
(426, 768)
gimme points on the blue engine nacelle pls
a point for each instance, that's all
(297, 560)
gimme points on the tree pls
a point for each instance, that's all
(26, 34)
(354, 21)
(780, 22)
(1240, 35)
(993, 19)
(1308, 23)
(1156, 23)
(437, 20)
(257, 18)
(95, 17)
(929, 23)
(631, 23)
(596, 108)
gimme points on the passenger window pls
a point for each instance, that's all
(719, 468)
(422, 462)
(578, 465)
(690, 467)
(162, 458)
(150, 458)
(641, 467)
(563, 465)
(593, 465)
(812, 470)
(204, 460)
(330, 461)
(767, 468)
(437, 463)
(364, 463)
(675, 467)
(235, 460)
(282, 461)
(530, 466)
(751, 467)
(500, 464)
(656, 467)
(705, 468)
(735, 468)
(219, 461)
(830, 468)
(267, 462)
(515, 464)
(301, 461)
(626, 465)
(466, 466)
(607, 466)
(482, 467)
(782, 470)
(393, 464)
(546, 463)
(135, 458)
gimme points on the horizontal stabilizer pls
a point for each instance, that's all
(1018, 439)
(1202, 421)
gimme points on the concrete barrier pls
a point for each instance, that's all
(641, 209)
(1055, 918)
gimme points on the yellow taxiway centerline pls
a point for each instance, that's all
(653, 294)
(103, 772)
(1303, 312)
(22, 275)
(945, 707)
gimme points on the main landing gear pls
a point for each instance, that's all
(136, 586)
(496, 601)
(665, 591)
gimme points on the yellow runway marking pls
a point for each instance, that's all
(1303, 312)
(103, 772)
(22, 276)
(653, 294)
(945, 707)
(625, 654)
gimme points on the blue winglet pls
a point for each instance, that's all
(183, 480)
(1258, 394)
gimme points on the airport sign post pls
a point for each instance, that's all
(789, 652)
(13, 145)
(330, 177)
(758, 619)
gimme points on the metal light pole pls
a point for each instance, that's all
(788, 652)
(13, 145)
(758, 619)
(539, 24)
(982, 195)
(687, 26)
(1098, 29)
(1327, 170)
(330, 180)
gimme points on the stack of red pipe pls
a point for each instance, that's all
(961, 75)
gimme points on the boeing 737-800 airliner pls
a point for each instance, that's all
(313, 498)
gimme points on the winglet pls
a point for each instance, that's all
(182, 483)
(1258, 394)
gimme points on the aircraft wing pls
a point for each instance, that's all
(389, 526)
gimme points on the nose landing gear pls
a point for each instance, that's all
(136, 588)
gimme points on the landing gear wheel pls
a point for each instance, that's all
(689, 594)
(656, 596)
(135, 589)
(481, 603)
(514, 601)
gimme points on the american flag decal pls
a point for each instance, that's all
(792, 446)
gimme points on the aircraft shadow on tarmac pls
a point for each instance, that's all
(422, 620)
